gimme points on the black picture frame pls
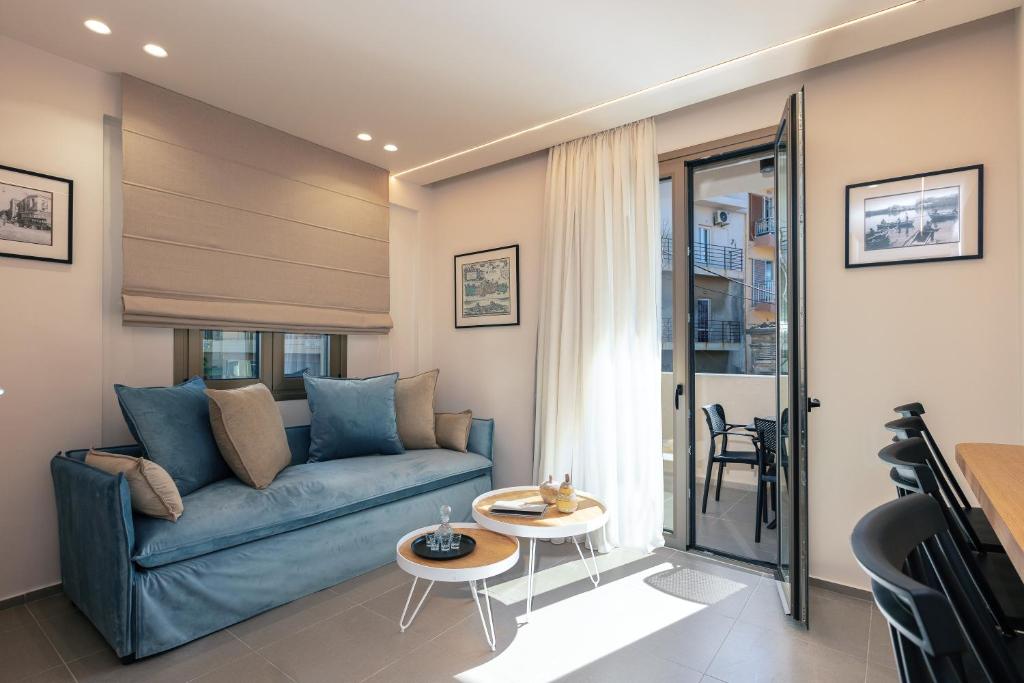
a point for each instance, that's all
(514, 292)
(979, 238)
(66, 257)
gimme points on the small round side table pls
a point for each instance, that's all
(495, 553)
(590, 516)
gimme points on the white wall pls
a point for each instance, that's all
(51, 121)
(945, 334)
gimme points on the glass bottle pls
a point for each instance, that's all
(567, 501)
(444, 531)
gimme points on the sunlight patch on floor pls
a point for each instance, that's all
(582, 629)
(553, 578)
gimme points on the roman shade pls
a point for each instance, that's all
(233, 225)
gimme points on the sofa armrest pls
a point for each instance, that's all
(481, 437)
(94, 523)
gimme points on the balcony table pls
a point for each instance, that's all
(995, 473)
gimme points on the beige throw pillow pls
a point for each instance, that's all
(414, 405)
(453, 430)
(249, 431)
(152, 489)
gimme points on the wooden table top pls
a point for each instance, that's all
(995, 473)
(491, 548)
(589, 509)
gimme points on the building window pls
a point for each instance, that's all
(227, 359)
(763, 281)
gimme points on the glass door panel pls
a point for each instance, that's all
(667, 349)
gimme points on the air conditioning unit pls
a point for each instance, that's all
(719, 217)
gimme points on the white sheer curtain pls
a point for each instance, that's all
(598, 411)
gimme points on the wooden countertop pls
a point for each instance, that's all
(995, 473)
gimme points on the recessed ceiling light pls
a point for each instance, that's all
(97, 26)
(365, 137)
(390, 148)
(155, 50)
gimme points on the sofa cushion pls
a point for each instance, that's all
(173, 426)
(250, 433)
(453, 430)
(352, 417)
(228, 513)
(414, 405)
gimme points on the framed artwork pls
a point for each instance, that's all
(927, 217)
(35, 215)
(487, 287)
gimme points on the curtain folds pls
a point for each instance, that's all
(598, 411)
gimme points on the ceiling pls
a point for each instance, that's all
(442, 76)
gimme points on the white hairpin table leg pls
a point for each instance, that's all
(595, 574)
(531, 563)
(488, 624)
(404, 625)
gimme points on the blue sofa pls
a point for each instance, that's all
(149, 585)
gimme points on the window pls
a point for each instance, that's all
(763, 285)
(701, 245)
(226, 359)
(702, 320)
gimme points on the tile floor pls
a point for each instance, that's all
(728, 525)
(663, 616)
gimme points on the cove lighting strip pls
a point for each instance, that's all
(658, 86)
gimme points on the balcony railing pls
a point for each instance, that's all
(706, 256)
(717, 256)
(717, 332)
(762, 292)
(707, 332)
(764, 226)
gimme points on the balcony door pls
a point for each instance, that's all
(734, 350)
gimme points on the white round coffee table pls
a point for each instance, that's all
(591, 515)
(495, 553)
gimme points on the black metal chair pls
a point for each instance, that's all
(720, 453)
(939, 628)
(996, 578)
(766, 445)
(978, 529)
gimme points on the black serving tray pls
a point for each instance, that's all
(420, 548)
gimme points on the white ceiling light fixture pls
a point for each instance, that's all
(154, 50)
(97, 26)
(365, 137)
(659, 86)
(390, 148)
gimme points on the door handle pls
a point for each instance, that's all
(679, 392)
(813, 403)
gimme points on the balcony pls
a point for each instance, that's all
(762, 295)
(717, 335)
(708, 259)
(764, 232)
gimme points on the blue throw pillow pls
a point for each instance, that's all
(172, 424)
(352, 417)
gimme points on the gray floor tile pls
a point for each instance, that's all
(275, 624)
(741, 584)
(73, 635)
(51, 606)
(249, 669)
(58, 674)
(838, 622)
(175, 666)
(881, 674)
(621, 666)
(464, 649)
(14, 618)
(736, 537)
(373, 583)
(25, 652)
(751, 654)
(879, 641)
(691, 642)
(446, 605)
(348, 647)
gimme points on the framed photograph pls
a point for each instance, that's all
(919, 218)
(35, 215)
(487, 287)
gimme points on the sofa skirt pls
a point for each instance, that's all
(177, 603)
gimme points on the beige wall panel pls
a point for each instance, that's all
(163, 114)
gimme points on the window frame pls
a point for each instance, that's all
(188, 362)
